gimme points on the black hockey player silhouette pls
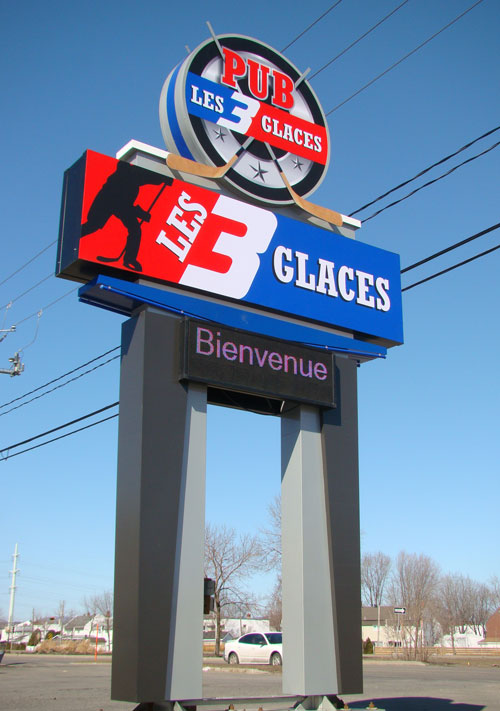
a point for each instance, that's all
(117, 197)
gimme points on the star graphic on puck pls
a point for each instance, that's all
(219, 134)
(297, 163)
(259, 172)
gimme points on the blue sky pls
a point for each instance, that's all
(79, 76)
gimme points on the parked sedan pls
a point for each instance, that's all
(255, 648)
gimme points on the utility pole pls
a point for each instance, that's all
(16, 368)
(14, 571)
(61, 617)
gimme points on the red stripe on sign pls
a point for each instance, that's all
(135, 221)
(290, 133)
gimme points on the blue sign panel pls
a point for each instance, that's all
(194, 239)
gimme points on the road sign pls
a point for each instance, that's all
(400, 610)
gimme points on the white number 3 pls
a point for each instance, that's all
(243, 251)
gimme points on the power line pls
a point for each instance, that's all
(28, 262)
(425, 170)
(48, 306)
(54, 439)
(58, 387)
(393, 66)
(56, 429)
(450, 248)
(332, 7)
(60, 377)
(449, 269)
(344, 51)
(431, 182)
(12, 301)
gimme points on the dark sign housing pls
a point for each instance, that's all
(241, 361)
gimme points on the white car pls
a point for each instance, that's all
(255, 648)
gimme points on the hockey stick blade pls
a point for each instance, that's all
(184, 165)
(112, 259)
(324, 213)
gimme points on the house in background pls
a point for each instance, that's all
(77, 628)
(382, 625)
(492, 638)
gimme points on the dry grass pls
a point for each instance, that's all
(51, 646)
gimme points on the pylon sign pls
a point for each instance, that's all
(239, 96)
(122, 219)
(231, 301)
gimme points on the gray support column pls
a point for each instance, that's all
(309, 655)
(158, 613)
(339, 432)
(320, 544)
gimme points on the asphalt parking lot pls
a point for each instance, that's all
(70, 683)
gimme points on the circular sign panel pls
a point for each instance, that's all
(237, 101)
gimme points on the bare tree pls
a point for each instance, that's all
(482, 605)
(449, 605)
(495, 592)
(462, 603)
(413, 585)
(375, 569)
(271, 536)
(229, 559)
(274, 607)
(271, 547)
(103, 605)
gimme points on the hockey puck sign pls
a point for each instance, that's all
(236, 97)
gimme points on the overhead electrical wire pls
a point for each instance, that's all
(425, 170)
(450, 248)
(365, 34)
(13, 301)
(332, 7)
(48, 306)
(431, 182)
(58, 387)
(54, 439)
(449, 269)
(393, 66)
(56, 429)
(60, 377)
(28, 262)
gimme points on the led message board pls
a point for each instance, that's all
(245, 362)
(127, 221)
(236, 96)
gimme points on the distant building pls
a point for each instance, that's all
(382, 625)
(77, 628)
(492, 638)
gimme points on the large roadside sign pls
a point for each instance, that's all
(123, 220)
(231, 301)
